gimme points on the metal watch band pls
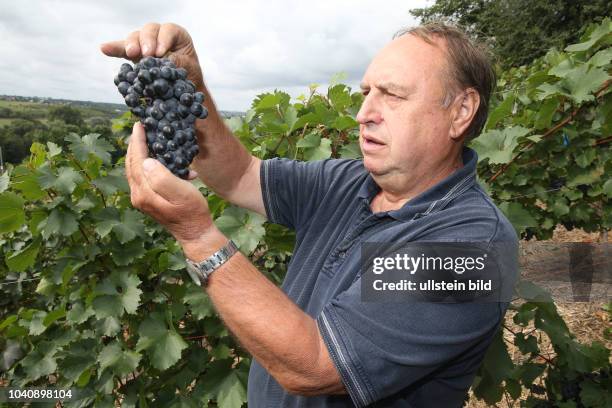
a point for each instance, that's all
(200, 271)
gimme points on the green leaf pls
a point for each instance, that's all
(503, 110)
(39, 362)
(127, 253)
(54, 149)
(65, 182)
(113, 182)
(38, 155)
(560, 207)
(350, 151)
(601, 58)
(130, 227)
(36, 324)
(228, 385)
(53, 316)
(527, 344)
(120, 361)
(21, 260)
(199, 303)
(117, 293)
(498, 145)
(339, 97)
(90, 144)
(583, 81)
(25, 180)
(163, 345)
(545, 114)
(577, 176)
(595, 395)
(600, 32)
(60, 221)
(344, 122)
(290, 117)
(607, 188)
(12, 215)
(518, 216)
(268, 101)
(244, 227)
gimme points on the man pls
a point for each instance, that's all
(314, 342)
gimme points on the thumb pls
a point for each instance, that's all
(162, 181)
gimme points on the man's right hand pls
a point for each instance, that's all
(159, 40)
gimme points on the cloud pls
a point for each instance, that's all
(51, 48)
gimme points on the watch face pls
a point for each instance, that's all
(193, 272)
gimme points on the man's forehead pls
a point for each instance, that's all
(395, 65)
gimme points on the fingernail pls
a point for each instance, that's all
(148, 165)
(145, 49)
(128, 49)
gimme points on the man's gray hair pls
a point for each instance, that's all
(468, 66)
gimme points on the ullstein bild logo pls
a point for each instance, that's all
(474, 272)
(438, 272)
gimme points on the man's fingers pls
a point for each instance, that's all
(169, 35)
(192, 175)
(132, 45)
(138, 152)
(114, 49)
(163, 182)
(148, 39)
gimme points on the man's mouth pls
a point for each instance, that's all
(372, 141)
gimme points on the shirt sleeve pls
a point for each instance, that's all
(293, 190)
(381, 348)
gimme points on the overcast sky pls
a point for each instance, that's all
(51, 48)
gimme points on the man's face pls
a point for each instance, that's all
(403, 111)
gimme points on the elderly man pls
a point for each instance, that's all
(314, 341)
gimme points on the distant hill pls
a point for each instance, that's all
(89, 108)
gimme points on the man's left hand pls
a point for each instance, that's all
(173, 202)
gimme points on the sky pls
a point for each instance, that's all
(51, 48)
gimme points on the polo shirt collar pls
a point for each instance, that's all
(436, 197)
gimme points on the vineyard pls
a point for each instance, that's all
(94, 295)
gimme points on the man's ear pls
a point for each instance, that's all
(464, 109)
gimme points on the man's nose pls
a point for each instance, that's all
(369, 111)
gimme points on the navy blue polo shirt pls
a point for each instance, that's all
(388, 354)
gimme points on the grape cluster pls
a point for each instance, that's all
(168, 105)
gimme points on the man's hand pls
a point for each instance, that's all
(175, 203)
(159, 40)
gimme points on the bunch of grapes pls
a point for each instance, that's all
(168, 105)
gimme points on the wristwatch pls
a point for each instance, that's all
(200, 271)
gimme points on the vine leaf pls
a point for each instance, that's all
(163, 345)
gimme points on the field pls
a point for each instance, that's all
(39, 110)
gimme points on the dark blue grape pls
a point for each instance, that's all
(160, 86)
(199, 97)
(186, 99)
(148, 62)
(150, 123)
(168, 131)
(180, 137)
(132, 100)
(131, 77)
(123, 87)
(204, 113)
(183, 110)
(151, 136)
(156, 113)
(144, 76)
(166, 72)
(158, 148)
